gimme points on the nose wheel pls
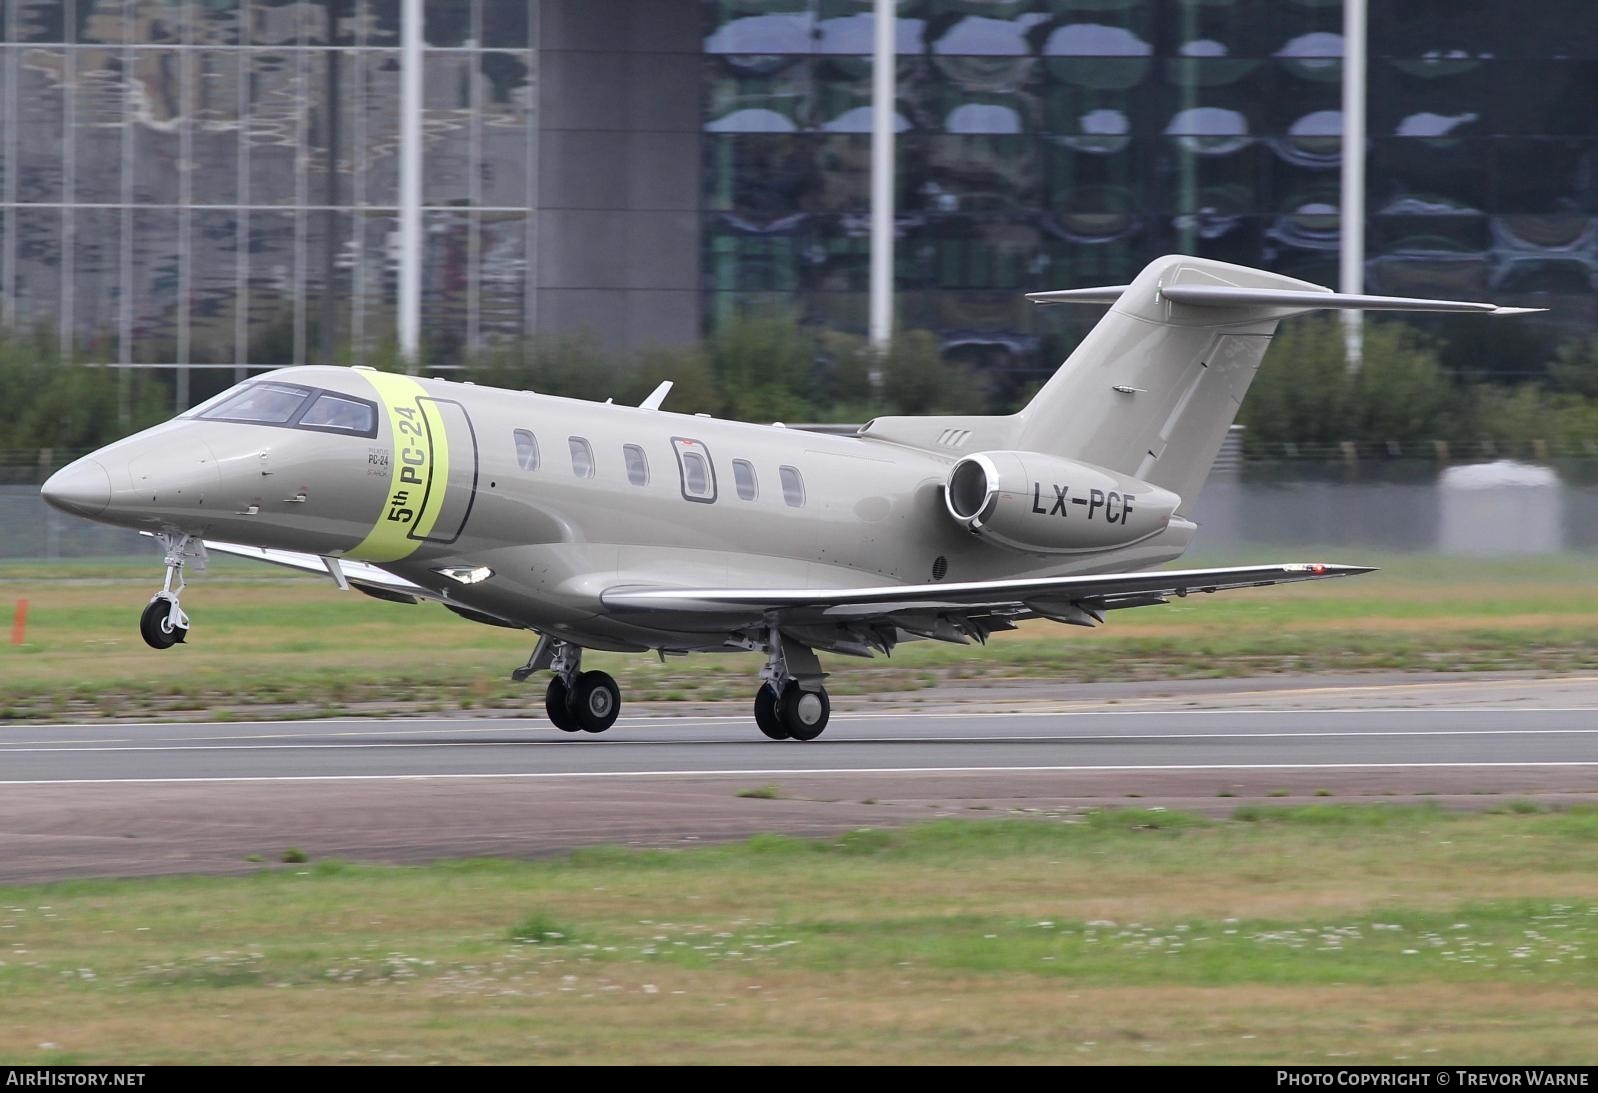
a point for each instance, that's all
(163, 623)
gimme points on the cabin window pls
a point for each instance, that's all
(743, 476)
(698, 474)
(582, 457)
(793, 486)
(637, 464)
(341, 415)
(526, 450)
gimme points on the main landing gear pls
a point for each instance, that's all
(163, 623)
(791, 703)
(576, 701)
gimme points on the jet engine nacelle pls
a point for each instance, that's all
(1044, 504)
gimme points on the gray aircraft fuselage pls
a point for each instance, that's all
(865, 511)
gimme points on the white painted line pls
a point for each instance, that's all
(567, 742)
(774, 772)
(378, 728)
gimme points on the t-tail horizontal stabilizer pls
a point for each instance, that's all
(1291, 301)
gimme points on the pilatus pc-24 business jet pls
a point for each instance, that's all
(631, 528)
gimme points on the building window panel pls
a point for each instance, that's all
(274, 131)
(214, 286)
(1544, 98)
(156, 290)
(217, 128)
(157, 120)
(379, 77)
(97, 282)
(40, 20)
(1566, 178)
(1427, 177)
(504, 114)
(274, 22)
(215, 22)
(449, 23)
(447, 123)
(769, 28)
(37, 289)
(502, 274)
(97, 125)
(380, 21)
(446, 284)
(271, 329)
(762, 94)
(39, 77)
(374, 276)
(506, 26)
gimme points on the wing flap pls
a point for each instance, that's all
(1099, 592)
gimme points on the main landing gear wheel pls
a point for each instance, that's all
(766, 714)
(557, 704)
(596, 700)
(803, 713)
(157, 627)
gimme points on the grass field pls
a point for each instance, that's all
(1360, 934)
(266, 644)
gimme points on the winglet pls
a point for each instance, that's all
(657, 396)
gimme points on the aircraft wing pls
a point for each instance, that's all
(936, 609)
(361, 576)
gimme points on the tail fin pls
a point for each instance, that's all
(1153, 388)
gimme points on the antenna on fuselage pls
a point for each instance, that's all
(657, 396)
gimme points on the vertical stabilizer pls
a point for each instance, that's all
(1155, 385)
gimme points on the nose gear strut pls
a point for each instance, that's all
(164, 623)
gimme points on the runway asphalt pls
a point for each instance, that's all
(109, 799)
(883, 743)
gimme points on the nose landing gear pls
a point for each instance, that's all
(576, 701)
(164, 623)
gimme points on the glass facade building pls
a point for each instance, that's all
(213, 186)
(1062, 143)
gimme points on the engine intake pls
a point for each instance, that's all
(1044, 504)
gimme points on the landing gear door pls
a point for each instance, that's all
(452, 484)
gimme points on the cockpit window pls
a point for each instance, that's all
(341, 415)
(261, 404)
(288, 404)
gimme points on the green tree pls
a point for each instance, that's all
(53, 403)
(916, 379)
(1400, 392)
(1301, 394)
(1575, 367)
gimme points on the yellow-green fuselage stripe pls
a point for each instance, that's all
(418, 470)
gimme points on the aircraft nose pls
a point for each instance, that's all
(82, 488)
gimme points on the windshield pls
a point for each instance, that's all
(340, 414)
(262, 403)
(288, 404)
